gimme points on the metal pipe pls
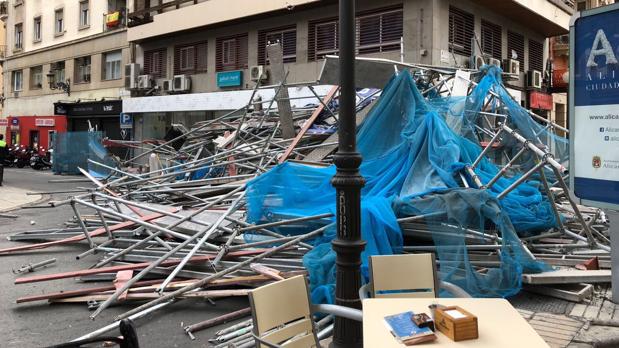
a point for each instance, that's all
(222, 273)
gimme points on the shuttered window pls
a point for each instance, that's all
(190, 58)
(515, 44)
(491, 39)
(536, 55)
(231, 52)
(377, 30)
(286, 36)
(461, 31)
(323, 38)
(155, 63)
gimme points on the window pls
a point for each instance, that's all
(36, 32)
(377, 30)
(380, 32)
(536, 56)
(323, 38)
(286, 36)
(461, 31)
(58, 71)
(59, 22)
(82, 70)
(491, 39)
(84, 14)
(155, 63)
(111, 66)
(515, 47)
(19, 36)
(17, 80)
(36, 77)
(190, 59)
(231, 53)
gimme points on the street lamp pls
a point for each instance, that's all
(348, 182)
(53, 84)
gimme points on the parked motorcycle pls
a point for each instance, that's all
(41, 159)
(9, 160)
(22, 156)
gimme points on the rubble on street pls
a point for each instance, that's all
(237, 201)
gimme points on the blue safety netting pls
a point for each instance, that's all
(412, 160)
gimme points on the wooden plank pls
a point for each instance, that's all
(78, 238)
(114, 269)
(80, 292)
(318, 154)
(309, 123)
(569, 292)
(568, 277)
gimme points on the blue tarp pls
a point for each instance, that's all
(411, 164)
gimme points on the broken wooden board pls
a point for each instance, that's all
(320, 153)
(568, 292)
(566, 276)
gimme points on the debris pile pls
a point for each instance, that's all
(453, 166)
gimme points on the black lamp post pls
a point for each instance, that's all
(348, 183)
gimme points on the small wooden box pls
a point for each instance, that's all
(459, 328)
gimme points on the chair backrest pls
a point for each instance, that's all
(282, 315)
(408, 275)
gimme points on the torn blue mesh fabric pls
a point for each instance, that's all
(411, 159)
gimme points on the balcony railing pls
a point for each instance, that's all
(145, 14)
(115, 20)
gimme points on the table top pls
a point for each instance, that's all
(499, 323)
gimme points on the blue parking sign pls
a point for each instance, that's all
(126, 121)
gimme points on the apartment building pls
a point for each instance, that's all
(208, 42)
(64, 58)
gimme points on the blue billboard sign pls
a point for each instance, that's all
(230, 78)
(594, 106)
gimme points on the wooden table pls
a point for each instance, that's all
(499, 324)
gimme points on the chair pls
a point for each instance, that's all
(282, 314)
(406, 276)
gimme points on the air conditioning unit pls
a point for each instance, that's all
(132, 71)
(258, 73)
(167, 86)
(477, 62)
(494, 61)
(145, 82)
(534, 79)
(512, 66)
(181, 83)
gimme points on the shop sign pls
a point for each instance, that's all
(594, 107)
(230, 78)
(539, 100)
(15, 122)
(44, 122)
(111, 107)
(4, 122)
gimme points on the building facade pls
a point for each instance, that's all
(207, 41)
(65, 52)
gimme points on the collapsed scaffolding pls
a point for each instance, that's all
(453, 165)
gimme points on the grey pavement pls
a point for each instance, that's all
(40, 324)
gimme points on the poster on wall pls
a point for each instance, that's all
(594, 107)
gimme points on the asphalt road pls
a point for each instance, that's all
(40, 324)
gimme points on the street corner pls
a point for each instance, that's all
(13, 197)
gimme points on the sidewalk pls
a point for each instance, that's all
(13, 197)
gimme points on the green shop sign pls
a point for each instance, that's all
(230, 78)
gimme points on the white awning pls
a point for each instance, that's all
(215, 101)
